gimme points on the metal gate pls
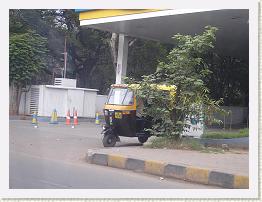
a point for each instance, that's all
(34, 100)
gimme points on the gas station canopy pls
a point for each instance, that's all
(232, 37)
(161, 25)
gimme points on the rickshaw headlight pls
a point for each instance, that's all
(106, 112)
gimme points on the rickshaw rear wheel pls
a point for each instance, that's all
(109, 140)
(142, 139)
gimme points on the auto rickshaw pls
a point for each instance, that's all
(122, 113)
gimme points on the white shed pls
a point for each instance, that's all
(43, 99)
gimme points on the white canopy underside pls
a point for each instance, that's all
(232, 36)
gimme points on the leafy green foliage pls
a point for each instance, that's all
(185, 69)
(26, 56)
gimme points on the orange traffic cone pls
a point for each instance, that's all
(68, 118)
(75, 118)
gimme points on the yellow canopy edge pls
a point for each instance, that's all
(104, 13)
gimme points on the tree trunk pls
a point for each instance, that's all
(14, 99)
(113, 48)
(175, 113)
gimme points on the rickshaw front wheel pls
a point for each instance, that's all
(142, 139)
(109, 140)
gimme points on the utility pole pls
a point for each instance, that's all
(65, 58)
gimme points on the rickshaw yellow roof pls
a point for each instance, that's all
(119, 85)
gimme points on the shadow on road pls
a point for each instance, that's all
(129, 144)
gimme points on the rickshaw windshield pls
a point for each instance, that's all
(120, 96)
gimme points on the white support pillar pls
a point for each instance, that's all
(122, 58)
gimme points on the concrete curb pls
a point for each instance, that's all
(191, 174)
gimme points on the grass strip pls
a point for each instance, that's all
(226, 135)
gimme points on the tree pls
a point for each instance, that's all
(92, 55)
(88, 49)
(144, 56)
(229, 79)
(26, 57)
(185, 69)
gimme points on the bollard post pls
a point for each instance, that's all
(97, 118)
(34, 120)
(54, 117)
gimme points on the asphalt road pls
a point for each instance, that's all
(52, 156)
(30, 172)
